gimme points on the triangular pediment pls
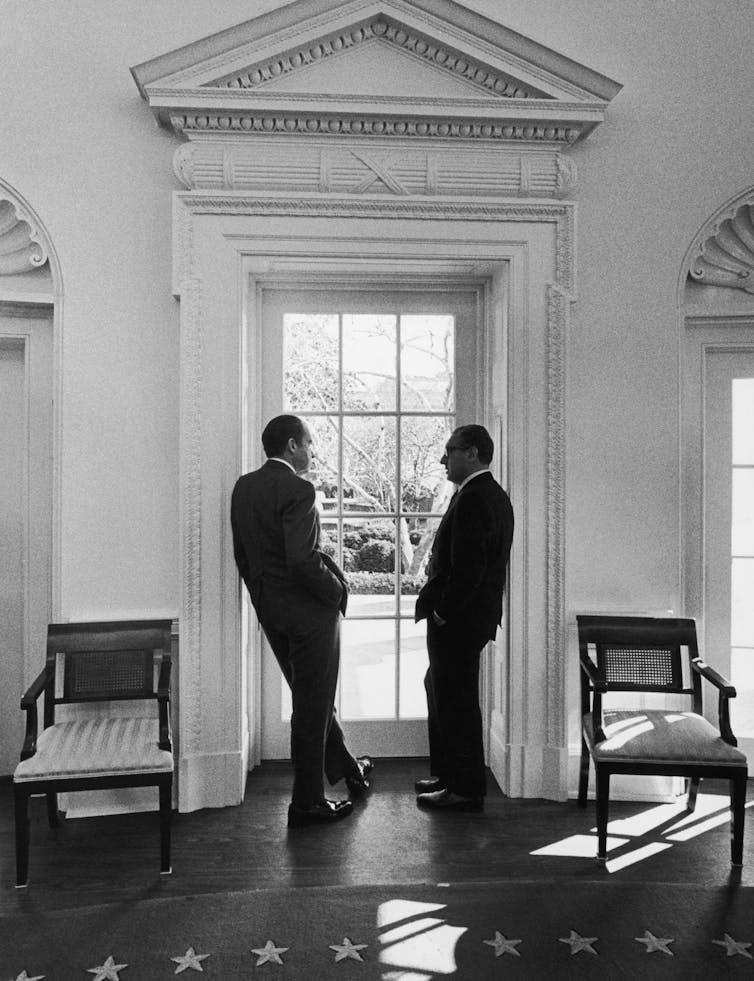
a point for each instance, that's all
(333, 63)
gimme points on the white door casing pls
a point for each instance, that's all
(300, 163)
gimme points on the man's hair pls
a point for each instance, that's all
(278, 431)
(478, 436)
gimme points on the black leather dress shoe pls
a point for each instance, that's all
(359, 785)
(446, 800)
(325, 813)
(429, 785)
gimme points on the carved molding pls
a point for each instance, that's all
(191, 530)
(21, 246)
(724, 253)
(386, 31)
(350, 124)
(558, 313)
(190, 203)
(353, 169)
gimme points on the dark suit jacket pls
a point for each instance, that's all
(276, 537)
(466, 573)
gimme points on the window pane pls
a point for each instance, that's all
(742, 607)
(369, 563)
(742, 542)
(422, 535)
(324, 472)
(329, 539)
(412, 697)
(369, 362)
(424, 486)
(310, 362)
(742, 706)
(369, 463)
(367, 670)
(743, 414)
(427, 353)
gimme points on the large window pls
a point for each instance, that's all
(379, 393)
(742, 553)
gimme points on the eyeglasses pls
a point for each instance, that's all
(449, 448)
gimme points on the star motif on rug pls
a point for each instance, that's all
(348, 950)
(189, 960)
(655, 944)
(269, 953)
(107, 971)
(733, 947)
(502, 945)
(23, 976)
(578, 943)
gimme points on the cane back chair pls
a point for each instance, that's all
(98, 664)
(648, 654)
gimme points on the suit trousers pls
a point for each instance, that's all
(305, 638)
(454, 718)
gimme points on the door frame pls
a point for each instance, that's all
(705, 337)
(225, 243)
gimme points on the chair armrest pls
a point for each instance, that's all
(29, 705)
(726, 690)
(163, 700)
(590, 670)
(163, 681)
(599, 686)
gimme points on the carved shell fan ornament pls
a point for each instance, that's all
(20, 252)
(727, 257)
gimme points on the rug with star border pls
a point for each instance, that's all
(476, 932)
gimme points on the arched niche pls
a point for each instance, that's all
(30, 333)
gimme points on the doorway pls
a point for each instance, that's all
(729, 529)
(382, 376)
(26, 510)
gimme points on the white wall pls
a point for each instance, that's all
(84, 151)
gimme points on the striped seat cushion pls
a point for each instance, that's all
(662, 737)
(96, 747)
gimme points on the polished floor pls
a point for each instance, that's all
(388, 840)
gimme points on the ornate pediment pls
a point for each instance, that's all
(414, 74)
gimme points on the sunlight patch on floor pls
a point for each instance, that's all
(416, 943)
(712, 810)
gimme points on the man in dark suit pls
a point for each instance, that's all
(299, 594)
(462, 602)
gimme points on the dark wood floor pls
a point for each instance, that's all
(388, 840)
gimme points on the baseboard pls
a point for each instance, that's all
(212, 780)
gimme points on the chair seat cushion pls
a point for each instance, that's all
(99, 747)
(660, 736)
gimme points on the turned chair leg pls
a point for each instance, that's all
(22, 836)
(693, 791)
(603, 803)
(584, 773)
(166, 815)
(737, 808)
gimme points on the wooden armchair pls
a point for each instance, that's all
(97, 664)
(647, 654)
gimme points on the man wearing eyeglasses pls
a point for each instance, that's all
(462, 602)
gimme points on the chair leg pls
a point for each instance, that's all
(603, 802)
(693, 790)
(22, 836)
(584, 773)
(737, 806)
(53, 814)
(166, 815)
